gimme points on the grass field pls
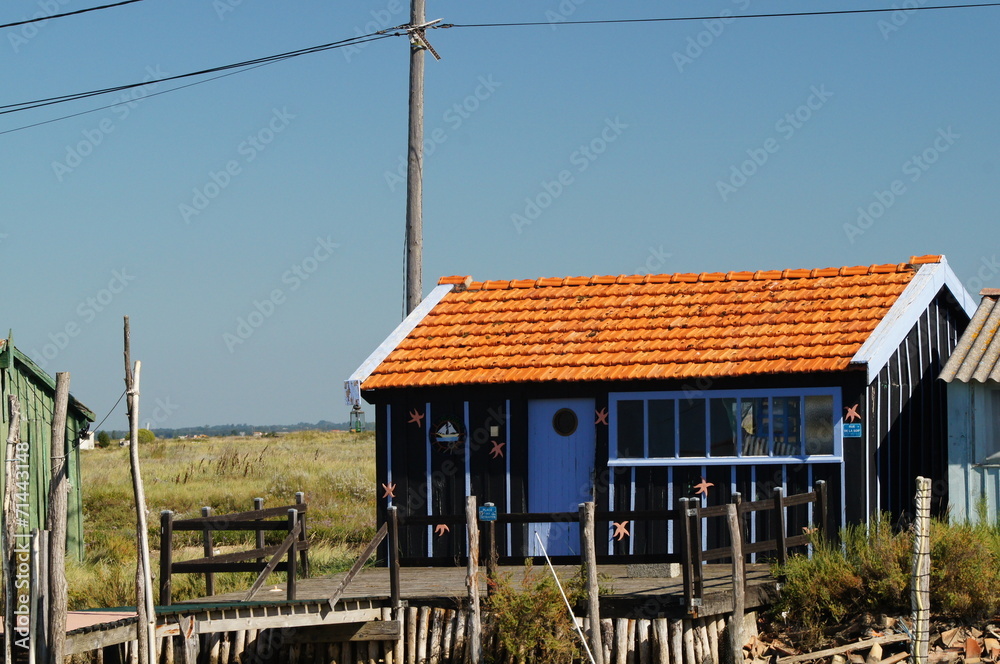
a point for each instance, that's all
(335, 470)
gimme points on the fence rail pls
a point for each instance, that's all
(262, 559)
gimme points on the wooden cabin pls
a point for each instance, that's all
(973, 377)
(36, 391)
(635, 391)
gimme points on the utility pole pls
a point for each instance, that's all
(415, 165)
(415, 160)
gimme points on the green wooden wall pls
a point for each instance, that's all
(36, 392)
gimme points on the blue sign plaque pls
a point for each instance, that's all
(852, 429)
(488, 513)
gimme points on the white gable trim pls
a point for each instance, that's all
(904, 314)
(352, 386)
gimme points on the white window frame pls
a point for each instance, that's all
(987, 426)
(738, 459)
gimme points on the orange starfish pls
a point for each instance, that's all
(703, 487)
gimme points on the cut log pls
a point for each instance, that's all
(874, 655)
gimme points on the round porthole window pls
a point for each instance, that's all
(564, 422)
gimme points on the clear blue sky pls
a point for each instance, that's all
(629, 139)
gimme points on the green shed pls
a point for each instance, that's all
(36, 392)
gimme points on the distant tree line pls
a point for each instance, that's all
(234, 430)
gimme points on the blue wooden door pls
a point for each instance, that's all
(561, 448)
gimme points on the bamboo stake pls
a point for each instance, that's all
(10, 521)
(146, 624)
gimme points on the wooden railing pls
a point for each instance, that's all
(687, 520)
(262, 559)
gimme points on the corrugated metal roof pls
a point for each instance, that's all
(977, 356)
(645, 326)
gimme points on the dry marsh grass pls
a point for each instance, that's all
(335, 470)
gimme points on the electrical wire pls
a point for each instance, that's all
(110, 411)
(830, 12)
(245, 65)
(73, 13)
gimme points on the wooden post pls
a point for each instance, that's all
(206, 536)
(685, 546)
(588, 549)
(920, 584)
(676, 641)
(822, 499)
(739, 585)
(392, 518)
(258, 504)
(293, 515)
(472, 581)
(415, 169)
(697, 566)
(411, 635)
(300, 501)
(146, 624)
(166, 555)
(687, 630)
(779, 524)
(56, 524)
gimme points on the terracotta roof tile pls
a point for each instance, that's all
(640, 327)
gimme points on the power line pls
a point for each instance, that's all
(73, 13)
(830, 12)
(242, 66)
(110, 411)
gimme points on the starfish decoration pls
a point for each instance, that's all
(441, 529)
(602, 417)
(852, 413)
(497, 451)
(390, 490)
(621, 530)
(416, 417)
(702, 487)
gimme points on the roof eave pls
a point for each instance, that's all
(906, 311)
(352, 386)
(49, 381)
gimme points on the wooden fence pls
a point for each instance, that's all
(688, 521)
(261, 559)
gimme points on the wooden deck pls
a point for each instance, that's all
(445, 586)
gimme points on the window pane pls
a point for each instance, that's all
(630, 429)
(692, 425)
(661, 428)
(723, 427)
(756, 425)
(787, 425)
(819, 424)
(992, 442)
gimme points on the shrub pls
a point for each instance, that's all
(882, 556)
(146, 436)
(103, 439)
(530, 620)
(965, 570)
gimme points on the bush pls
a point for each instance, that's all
(530, 620)
(965, 570)
(103, 439)
(882, 556)
(146, 436)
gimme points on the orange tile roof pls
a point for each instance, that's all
(646, 326)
